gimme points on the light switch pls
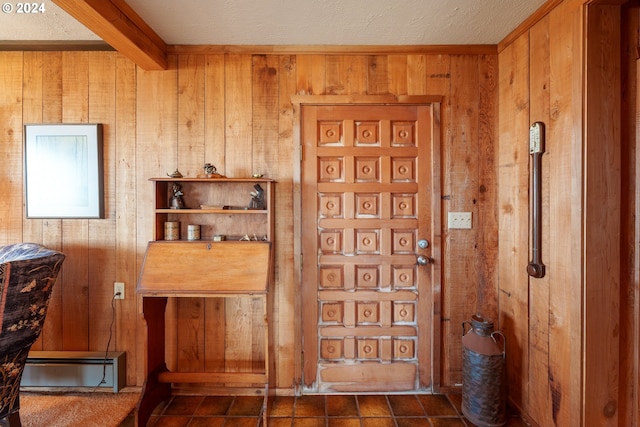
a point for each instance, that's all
(461, 220)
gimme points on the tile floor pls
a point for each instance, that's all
(411, 410)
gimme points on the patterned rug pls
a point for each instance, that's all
(76, 409)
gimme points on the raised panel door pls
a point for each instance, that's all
(367, 197)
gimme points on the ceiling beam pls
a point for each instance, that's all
(117, 24)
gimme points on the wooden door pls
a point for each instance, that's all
(370, 200)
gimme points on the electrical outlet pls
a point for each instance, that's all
(118, 290)
(459, 220)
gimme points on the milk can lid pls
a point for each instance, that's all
(482, 326)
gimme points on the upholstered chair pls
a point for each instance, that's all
(27, 274)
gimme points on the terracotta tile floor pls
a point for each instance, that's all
(387, 410)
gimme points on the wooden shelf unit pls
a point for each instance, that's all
(205, 268)
(232, 192)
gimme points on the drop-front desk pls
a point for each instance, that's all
(201, 269)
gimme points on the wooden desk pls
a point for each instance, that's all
(201, 269)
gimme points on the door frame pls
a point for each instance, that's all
(298, 101)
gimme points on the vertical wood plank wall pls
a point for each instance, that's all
(572, 336)
(602, 216)
(630, 220)
(234, 111)
(538, 73)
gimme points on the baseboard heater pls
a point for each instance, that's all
(75, 369)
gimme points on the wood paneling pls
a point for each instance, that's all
(322, 50)
(125, 212)
(156, 154)
(286, 303)
(32, 113)
(487, 188)
(75, 234)
(565, 219)
(102, 263)
(565, 328)
(602, 215)
(11, 148)
(51, 107)
(468, 157)
(538, 349)
(233, 110)
(513, 217)
(190, 315)
(630, 205)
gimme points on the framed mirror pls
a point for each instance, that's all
(63, 171)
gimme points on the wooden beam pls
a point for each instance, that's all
(120, 26)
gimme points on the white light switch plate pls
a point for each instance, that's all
(461, 220)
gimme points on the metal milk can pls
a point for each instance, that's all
(484, 387)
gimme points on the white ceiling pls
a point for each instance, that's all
(293, 22)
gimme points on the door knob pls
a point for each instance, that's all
(423, 260)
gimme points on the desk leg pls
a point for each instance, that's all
(153, 391)
(266, 406)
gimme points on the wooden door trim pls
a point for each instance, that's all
(635, 404)
(434, 101)
(297, 100)
(436, 251)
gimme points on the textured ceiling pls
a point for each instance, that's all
(293, 22)
(50, 24)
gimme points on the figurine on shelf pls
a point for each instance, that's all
(247, 238)
(176, 201)
(210, 172)
(257, 198)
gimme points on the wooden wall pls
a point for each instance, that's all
(629, 219)
(234, 110)
(572, 336)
